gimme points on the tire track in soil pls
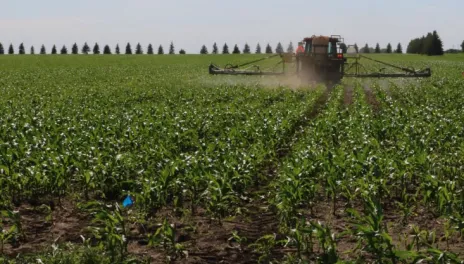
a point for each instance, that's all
(348, 95)
(371, 99)
(259, 219)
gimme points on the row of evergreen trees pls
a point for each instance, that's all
(247, 49)
(430, 44)
(95, 50)
(377, 49)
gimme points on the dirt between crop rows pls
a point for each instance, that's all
(371, 99)
(208, 241)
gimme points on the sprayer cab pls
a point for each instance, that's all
(322, 60)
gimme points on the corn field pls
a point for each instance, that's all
(227, 169)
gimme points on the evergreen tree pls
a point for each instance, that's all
(138, 49)
(246, 49)
(150, 49)
(96, 49)
(54, 51)
(160, 50)
(171, 49)
(75, 49)
(203, 50)
(215, 48)
(85, 48)
(279, 48)
(43, 51)
(290, 48)
(11, 49)
(64, 50)
(366, 49)
(399, 49)
(268, 49)
(22, 50)
(356, 47)
(236, 50)
(2, 50)
(117, 50)
(389, 48)
(377, 48)
(128, 49)
(32, 50)
(343, 47)
(225, 49)
(107, 50)
(437, 44)
(258, 49)
(182, 51)
(462, 46)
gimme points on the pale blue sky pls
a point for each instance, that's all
(191, 23)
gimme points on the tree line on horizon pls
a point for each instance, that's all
(85, 49)
(430, 44)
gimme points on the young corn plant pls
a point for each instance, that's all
(327, 243)
(165, 236)
(112, 232)
(14, 232)
(264, 247)
(372, 236)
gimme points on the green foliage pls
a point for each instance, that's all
(95, 128)
(117, 50)
(54, 50)
(11, 50)
(366, 49)
(96, 49)
(268, 49)
(128, 49)
(2, 50)
(32, 52)
(150, 49)
(204, 50)
(85, 48)
(258, 49)
(42, 50)
(377, 48)
(75, 49)
(279, 48)
(107, 50)
(182, 52)
(138, 49)
(64, 50)
(172, 49)
(165, 236)
(225, 49)
(160, 50)
(430, 45)
(236, 50)
(399, 49)
(389, 48)
(215, 48)
(246, 49)
(21, 49)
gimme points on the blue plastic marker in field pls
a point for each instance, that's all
(128, 201)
